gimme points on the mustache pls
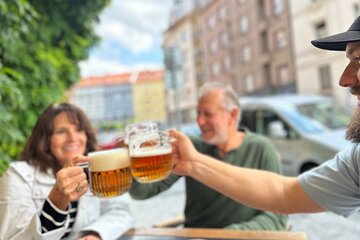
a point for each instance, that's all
(355, 90)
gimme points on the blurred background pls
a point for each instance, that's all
(131, 61)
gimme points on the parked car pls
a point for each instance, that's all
(190, 129)
(109, 140)
(307, 130)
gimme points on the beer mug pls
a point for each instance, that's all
(138, 128)
(150, 156)
(109, 172)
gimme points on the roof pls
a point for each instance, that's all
(123, 78)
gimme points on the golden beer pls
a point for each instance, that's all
(110, 173)
(152, 166)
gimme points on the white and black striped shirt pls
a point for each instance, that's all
(53, 218)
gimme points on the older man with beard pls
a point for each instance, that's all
(333, 186)
(218, 117)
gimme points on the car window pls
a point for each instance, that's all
(302, 122)
(327, 113)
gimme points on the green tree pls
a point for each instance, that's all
(41, 44)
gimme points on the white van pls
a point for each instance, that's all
(306, 129)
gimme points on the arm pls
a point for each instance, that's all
(20, 190)
(255, 188)
(19, 211)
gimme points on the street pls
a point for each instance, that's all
(319, 226)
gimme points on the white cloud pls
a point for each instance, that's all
(136, 25)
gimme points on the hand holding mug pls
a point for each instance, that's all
(71, 183)
(184, 152)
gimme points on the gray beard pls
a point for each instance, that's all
(353, 130)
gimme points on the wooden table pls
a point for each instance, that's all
(206, 233)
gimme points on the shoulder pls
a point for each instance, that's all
(350, 156)
(255, 138)
(21, 169)
(198, 143)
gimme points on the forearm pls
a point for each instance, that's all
(254, 188)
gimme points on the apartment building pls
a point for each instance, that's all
(319, 71)
(247, 44)
(126, 97)
(181, 91)
(148, 91)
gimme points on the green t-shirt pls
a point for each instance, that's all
(207, 208)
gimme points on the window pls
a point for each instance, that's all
(227, 64)
(213, 45)
(261, 9)
(244, 24)
(264, 43)
(249, 83)
(283, 74)
(222, 13)
(280, 39)
(246, 54)
(224, 38)
(321, 30)
(216, 69)
(184, 36)
(212, 22)
(278, 7)
(325, 77)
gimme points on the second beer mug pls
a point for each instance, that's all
(151, 156)
(109, 172)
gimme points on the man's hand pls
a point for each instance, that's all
(184, 153)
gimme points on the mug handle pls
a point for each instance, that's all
(85, 167)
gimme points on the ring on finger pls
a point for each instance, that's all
(79, 188)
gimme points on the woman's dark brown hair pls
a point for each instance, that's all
(37, 150)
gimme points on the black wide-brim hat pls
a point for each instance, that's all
(339, 41)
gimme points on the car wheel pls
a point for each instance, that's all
(307, 167)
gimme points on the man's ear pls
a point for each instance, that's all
(234, 113)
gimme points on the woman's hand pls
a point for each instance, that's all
(184, 153)
(70, 184)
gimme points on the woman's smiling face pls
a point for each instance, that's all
(67, 139)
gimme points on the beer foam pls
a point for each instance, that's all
(148, 153)
(116, 158)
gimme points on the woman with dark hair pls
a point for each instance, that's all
(45, 196)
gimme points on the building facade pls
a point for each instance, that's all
(246, 43)
(127, 97)
(319, 71)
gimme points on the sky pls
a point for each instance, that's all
(131, 37)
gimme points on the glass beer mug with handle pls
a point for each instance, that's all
(109, 172)
(150, 156)
(137, 128)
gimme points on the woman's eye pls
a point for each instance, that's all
(60, 131)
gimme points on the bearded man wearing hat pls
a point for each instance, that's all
(333, 186)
